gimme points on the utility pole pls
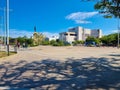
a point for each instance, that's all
(4, 26)
(7, 26)
(118, 17)
(5, 42)
(1, 31)
(118, 34)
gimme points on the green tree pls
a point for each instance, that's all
(91, 39)
(78, 42)
(110, 39)
(21, 40)
(111, 8)
(105, 40)
(52, 42)
(29, 41)
(38, 38)
(45, 42)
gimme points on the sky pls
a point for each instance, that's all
(53, 16)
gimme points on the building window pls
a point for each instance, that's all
(73, 34)
(65, 34)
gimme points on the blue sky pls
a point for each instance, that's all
(54, 16)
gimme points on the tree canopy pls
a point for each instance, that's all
(110, 8)
(110, 39)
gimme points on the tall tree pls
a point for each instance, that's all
(38, 38)
(110, 8)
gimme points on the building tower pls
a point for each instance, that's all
(34, 28)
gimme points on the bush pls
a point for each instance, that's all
(32, 45)
(55, 43)
(78, 42)
(52, 42)
(45, 43)
(67, 44)
(61, 43)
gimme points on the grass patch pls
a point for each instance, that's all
(4, 54)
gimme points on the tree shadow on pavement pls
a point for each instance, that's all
(73, 74)
(117, 55)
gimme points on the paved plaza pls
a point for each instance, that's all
(61, 68)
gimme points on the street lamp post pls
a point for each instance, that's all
(118, 28)
(7, 26)
(118, 33)
(1, 30)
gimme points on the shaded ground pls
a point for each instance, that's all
(72, 74)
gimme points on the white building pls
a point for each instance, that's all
(52, 38)
(68, 36)
(79, 33)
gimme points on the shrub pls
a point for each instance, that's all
(45, 43)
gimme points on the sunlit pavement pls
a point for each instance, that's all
(58, 69)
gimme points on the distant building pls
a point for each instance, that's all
(79, 33)
(52, 38)
(68, 36)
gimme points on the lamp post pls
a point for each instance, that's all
(118, 27)
(7, 26)
(1, 30)
(118, 33)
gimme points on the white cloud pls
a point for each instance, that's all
(80, 17)
(110, 32)
(82, 21)
(48, 34)
(114, 31)
(20, 33)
